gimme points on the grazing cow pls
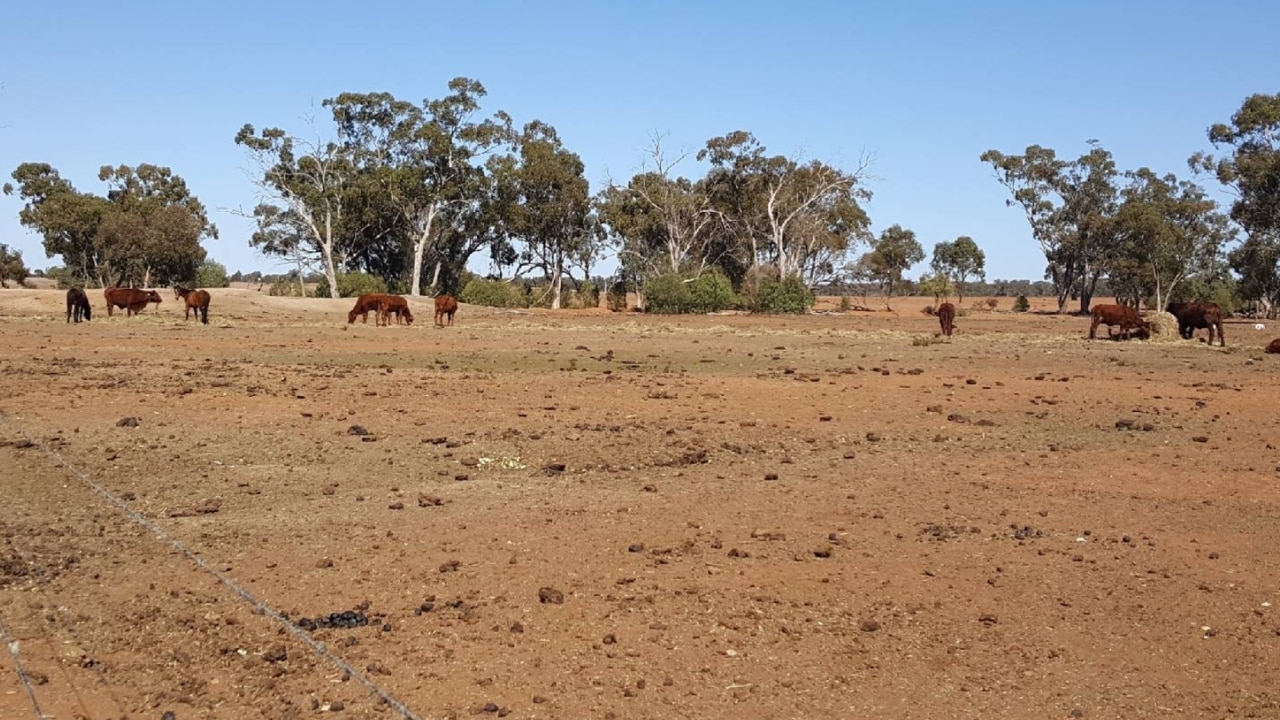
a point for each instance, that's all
(1126, 317)
(446, 306)
(394, 304)
(1274, 347)
(78, 305)
(132, 300)
(947, 318)
(365, 304)
(1193, 316)
(197, 300)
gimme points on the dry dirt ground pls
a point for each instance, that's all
(595, 515)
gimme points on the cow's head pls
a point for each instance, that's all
(153, 296)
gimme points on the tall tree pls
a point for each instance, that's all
(1168, 230)
(1070, 206)
(12, 269)
(1251, 172)
(786, 210)
(958, 261)
(552, 217)
(309, 187)
(892, 254)
(431, 157)
(666, 222)
(148, 228)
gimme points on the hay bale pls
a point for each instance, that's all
(1164, 327)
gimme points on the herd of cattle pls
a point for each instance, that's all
(134, 301)
(1190, 317)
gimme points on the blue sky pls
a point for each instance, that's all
(925, 87)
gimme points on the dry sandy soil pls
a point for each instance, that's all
(595, 515)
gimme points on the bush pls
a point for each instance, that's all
(285, 287)
(617, 296)
(675, 294)
(992, 303)
(588, 295)
(352, 284)
(493, 293)
(1021, 305)
(845, 303)
(212, 275)
(785, 296)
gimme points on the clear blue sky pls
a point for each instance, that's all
(924, 86)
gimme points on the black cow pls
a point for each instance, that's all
(78, 305)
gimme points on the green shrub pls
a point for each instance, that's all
(285, 287)
(784, 296)
(673, 293)
(1021, 305)
(352, 284)
(212, 275)
(845, 303)
(493, 293)
(588, 295)
(617, 296)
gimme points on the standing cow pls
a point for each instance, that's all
(947, 318)
(78, 305)
(132, 300)
(1193, 316)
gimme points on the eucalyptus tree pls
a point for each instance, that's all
(786, 211)
(429, 159)
(958, 261)
(1070, 206)
(148, 228)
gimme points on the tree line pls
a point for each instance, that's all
(410, 192)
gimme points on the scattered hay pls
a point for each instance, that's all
(1164, 327)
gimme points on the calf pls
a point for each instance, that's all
(132, 300)
(394, 304)
(1126, 317)
(1192, 316)
(446, 305)
(369, 302)
(78, 305)
(1274, 347)
(947, 318)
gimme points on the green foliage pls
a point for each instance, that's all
(1257, 261)
(147, 230)
(285, 287)
(1070, 206)
(616, 298)
(493, 293)
(1252, 171)
(845, 303)
(12, 269)
(958, 261)
(891, 254)
(588, 295)
(936, 284)
(212, 275)
(352, 284)
(672, 293)
(62, 276)
(789, 295)
(1021, 305)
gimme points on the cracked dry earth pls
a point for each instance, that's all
(588, 515)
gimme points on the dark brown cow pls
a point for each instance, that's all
(1193, 316)
(394, 304)
(78, 304)
(1274, 347)
(1126, 317)
(947, 318)
(366, 304)
(446, 306)
(197, 300)
(132, 300)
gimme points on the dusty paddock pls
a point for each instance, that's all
(587, 515)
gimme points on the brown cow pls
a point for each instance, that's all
(1192, 316)
(365, 304)
(394, 304)
(947, 318)
(197, 300)
(78, 304)
(132, 300)
(446, 305)
(1274, 347)
(1126, 317)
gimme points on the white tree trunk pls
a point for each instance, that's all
(419, 251)
(435, 275)
(557, 270)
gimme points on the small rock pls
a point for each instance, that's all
(555, 468)
(450, 566)
(869, 626)
(1125, 424)
(357, 430)
(988, 619)
(323, 563)
(337, 706)
(635, 547)
(769, 477)
(873, 437)
(169, 715)
(609, 639)
(429, 501)
(129, 422)
(550, 595)
(1200, 439)
(538, 699)
(823, 552)
(276, 653)
(397, 505)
